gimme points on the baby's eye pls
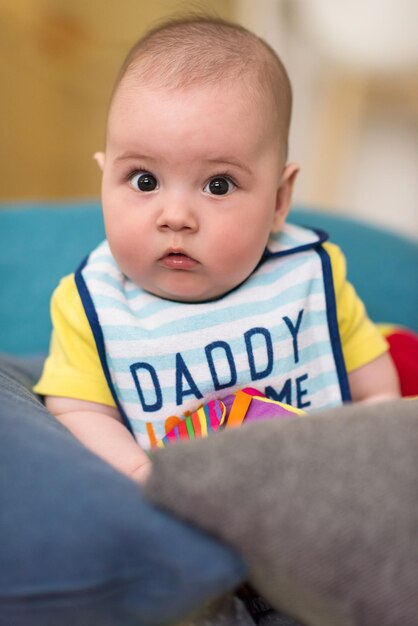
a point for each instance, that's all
(143, 181)
(219, 186)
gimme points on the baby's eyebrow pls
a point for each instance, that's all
(218, 161)
(229, 161)
(129, 156)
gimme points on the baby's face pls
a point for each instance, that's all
(190, 188)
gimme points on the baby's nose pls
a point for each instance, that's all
(177, 215)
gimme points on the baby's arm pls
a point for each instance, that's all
(100, 428)
(375, 381)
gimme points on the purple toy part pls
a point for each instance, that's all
(259, 410)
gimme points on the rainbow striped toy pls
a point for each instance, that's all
(246, 405)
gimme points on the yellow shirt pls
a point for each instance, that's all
(73, 368)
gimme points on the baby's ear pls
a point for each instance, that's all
(99, 157)
(284, 196)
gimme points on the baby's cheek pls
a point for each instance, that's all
(125, 250)
(235, 263)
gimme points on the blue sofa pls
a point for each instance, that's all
(41, 242)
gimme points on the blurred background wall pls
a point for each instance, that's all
(58, 62)
(353, 65)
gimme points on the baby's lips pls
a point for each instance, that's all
(178, 260)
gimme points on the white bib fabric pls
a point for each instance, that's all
(276, 332)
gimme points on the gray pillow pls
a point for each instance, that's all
(323, 508)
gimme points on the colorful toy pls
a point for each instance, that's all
(246, 405)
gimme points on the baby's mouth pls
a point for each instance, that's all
(178, 260)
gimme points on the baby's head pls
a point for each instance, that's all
(194, 172)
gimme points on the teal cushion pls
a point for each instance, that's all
(39, 243)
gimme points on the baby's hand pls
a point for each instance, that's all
(141, 473)
(381, 397)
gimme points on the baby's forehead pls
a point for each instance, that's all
(243, 88)
(204, 121)
(137, 96)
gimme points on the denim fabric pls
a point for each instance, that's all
(79, 544)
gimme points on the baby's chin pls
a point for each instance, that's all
(189, 287)
(186, 298)
(188, 294)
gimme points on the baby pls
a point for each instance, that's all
(201, 288)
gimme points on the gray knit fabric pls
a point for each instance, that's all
(323, 508)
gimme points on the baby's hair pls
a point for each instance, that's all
(201, 51)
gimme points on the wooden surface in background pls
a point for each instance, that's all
(58, 62)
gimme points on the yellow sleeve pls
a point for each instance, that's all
(73, 368)
(361, 340)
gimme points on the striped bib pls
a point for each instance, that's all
(276, 332)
